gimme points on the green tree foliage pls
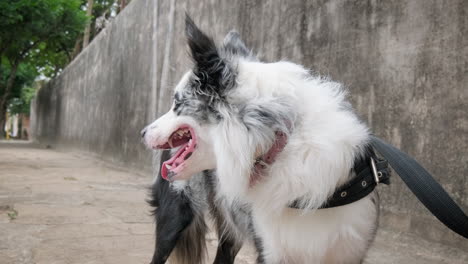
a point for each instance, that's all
(23, 90)
(37, 33)
(22, 103)
(25, 76)
(24, 79)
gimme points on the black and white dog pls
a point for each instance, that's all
(250, 138)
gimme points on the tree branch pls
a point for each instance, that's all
(28, 48)
(9, 84)
(89, 12)
(64, 48)
(5, 44)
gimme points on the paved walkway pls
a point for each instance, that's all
(58, 207)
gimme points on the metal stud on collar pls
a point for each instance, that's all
(261, 162)
(377, 174)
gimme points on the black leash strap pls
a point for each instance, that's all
(426, 189)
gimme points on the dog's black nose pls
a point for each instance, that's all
(143, 132)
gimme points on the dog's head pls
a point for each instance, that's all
(220, 116)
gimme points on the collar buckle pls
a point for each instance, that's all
(260, 162)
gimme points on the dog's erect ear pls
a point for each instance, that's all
(233, 45)
(213, 72)
(202, 47)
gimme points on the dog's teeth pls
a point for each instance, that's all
(190, 142)
(180, 132)
(168, 166)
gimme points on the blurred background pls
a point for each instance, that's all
(86, 76)
(38, 39)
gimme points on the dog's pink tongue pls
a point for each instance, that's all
(164, 171)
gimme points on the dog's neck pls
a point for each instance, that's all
(268, 158)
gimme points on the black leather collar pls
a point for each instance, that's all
(360, 186)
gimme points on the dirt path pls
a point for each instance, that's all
(58, 207)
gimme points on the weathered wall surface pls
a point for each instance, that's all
(404, 62)
(100, 101)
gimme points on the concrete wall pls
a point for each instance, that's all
(100, 101)
(404, 62)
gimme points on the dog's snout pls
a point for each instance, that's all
(143, 132)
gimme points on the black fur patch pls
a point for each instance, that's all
(213, 74)
(173, 212)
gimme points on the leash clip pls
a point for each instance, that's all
(377, 174)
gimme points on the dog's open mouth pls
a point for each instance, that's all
(185, 138)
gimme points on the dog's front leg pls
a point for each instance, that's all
(227, 251)
(173, 215)
(170, 223)
(228, 245)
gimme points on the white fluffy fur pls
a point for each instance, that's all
(321, 149)
(324, 137)
(319, 155)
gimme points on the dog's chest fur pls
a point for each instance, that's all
(325, 140)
